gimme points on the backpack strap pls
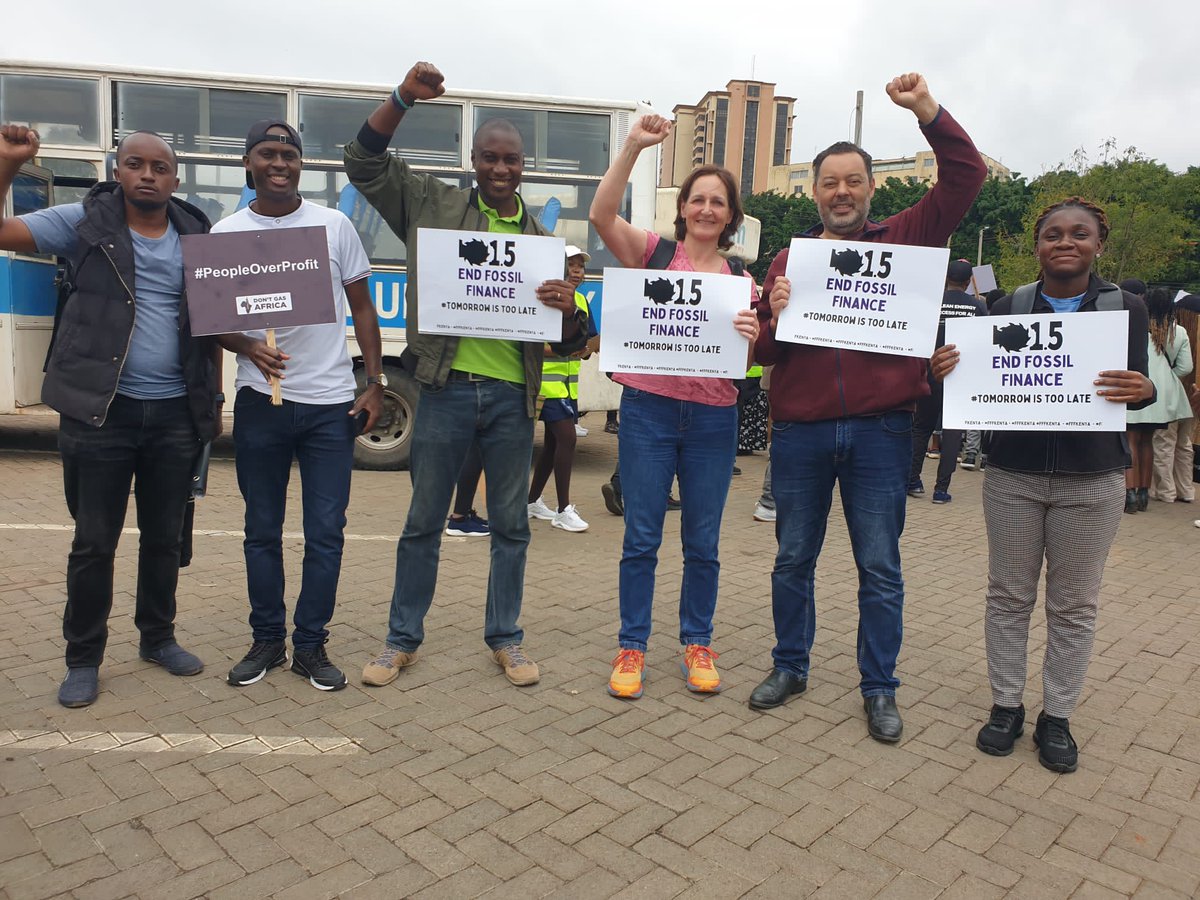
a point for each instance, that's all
(1110, 298)
(64, 284)
(662, 255)
(736, 266)
(1023, 299)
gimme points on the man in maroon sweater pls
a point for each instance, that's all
(845, 416)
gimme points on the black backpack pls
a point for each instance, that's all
(1108, 300)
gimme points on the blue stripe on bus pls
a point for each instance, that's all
(27, 287)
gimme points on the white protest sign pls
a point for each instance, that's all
(884, 298)
(659, 322)
(984, 279)
(478, 284)
(1035, 373)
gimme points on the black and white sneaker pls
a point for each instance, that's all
(314, 665)
(263, 656)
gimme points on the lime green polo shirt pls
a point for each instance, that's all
(493, 357)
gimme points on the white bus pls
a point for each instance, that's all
(82, 113)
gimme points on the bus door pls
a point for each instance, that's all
(28, 298)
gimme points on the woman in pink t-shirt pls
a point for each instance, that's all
(673, 425)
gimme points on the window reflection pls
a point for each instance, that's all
(62, 110)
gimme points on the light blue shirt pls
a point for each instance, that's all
(153, 369)
(1064, 304)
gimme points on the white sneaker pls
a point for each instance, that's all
(580, 430)
(539, 510)
(762, 514)
(568, 520)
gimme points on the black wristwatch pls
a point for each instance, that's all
(380, 379)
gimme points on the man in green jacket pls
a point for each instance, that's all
(472, 389)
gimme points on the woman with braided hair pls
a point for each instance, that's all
(1170, 415)
(1055, 496)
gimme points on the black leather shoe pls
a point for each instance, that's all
(883, 719)
(776, 688)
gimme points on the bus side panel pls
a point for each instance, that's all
(30, 297)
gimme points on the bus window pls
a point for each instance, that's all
(192, 119)
(73, 178)
(62, 110)
(562, 207)
(29, 193)
(430, 136)
(214, 188)
(557, 142)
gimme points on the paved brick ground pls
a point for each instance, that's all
(451, 783)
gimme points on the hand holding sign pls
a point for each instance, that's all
(558, 294)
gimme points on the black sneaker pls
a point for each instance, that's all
(612, 498)
(1056, 748)
(314, 665)
(1003, 727)
(263, 656)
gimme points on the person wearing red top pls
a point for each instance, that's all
(845, 416)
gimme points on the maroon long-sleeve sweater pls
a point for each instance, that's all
(811, 383)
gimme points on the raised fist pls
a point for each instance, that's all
(648, 131)
(18, 144)
(423, 82)
(911, 92)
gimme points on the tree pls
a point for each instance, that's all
(895, 195)
(998, 211)
(781, 217)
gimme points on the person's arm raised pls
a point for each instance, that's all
(423, 82)
(626, 242)
(18, 145)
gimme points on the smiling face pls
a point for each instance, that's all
(1068, 242)
(843, 193)
(275, 168)
(146, 170)
(498, 156)
(706, 210)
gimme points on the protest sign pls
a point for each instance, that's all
(250, 280)
(1035, 372)
(883, 298)
(477, 284)
(660, 322)
(983, 279)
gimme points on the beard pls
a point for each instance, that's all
(144, 205)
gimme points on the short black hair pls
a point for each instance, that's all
(837, 150)
(121, 145)
(497, 123)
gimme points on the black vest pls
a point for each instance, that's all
(95, 328)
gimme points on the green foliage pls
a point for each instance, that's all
(781, 217)
(896, 195)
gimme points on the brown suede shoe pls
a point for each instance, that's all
(384, 668)
(518, 668)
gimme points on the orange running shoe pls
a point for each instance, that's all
(702, 676)
(626, 680)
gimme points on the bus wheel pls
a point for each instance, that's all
(386, 446)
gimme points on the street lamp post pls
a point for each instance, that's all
(979, 252)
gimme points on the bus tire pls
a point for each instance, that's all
(386, 446)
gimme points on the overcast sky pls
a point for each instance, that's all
(1030, 81)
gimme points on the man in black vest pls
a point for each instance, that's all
(137, 393)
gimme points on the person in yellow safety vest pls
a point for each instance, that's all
(559, 409)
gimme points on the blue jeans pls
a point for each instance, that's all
(266, 438)
(659, 439)
(151, 444)
(869, 458)
(449, 419)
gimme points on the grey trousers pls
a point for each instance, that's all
(972, 442)
(1071, 521)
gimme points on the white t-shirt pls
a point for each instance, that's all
(320, 369)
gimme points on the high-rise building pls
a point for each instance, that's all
(746, 128)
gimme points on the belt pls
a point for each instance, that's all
(459, 375)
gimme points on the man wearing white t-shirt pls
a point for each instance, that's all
(316, 424)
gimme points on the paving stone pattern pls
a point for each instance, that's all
(451, 783)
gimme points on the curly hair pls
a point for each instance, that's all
(1161, 309)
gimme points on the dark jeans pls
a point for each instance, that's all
(926, 421)
(867, 457)
(151, 444)
(321, 438)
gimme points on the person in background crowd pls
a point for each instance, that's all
(673, 425)
(560, 409)
(1170, 354)
(137, 394)
(956, 303)
(1054, 496)
(1140, 436)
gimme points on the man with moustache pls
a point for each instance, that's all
(846, 416)
(316, 424)
(472, 389)
(136, 392)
